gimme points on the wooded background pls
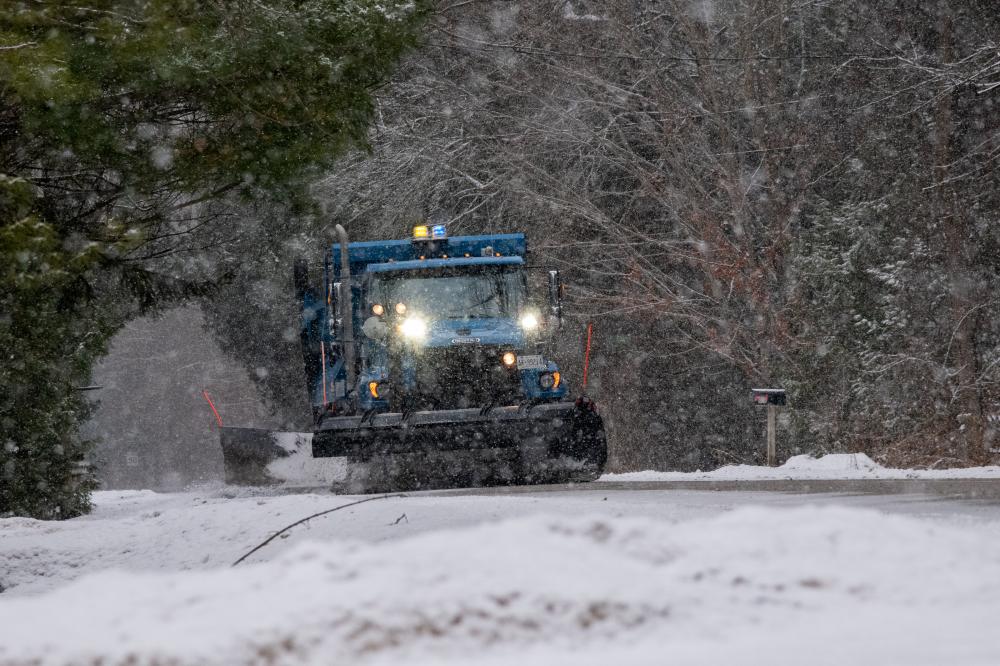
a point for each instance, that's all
(780, 193)
(794, 193)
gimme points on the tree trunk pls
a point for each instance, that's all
(954, 222)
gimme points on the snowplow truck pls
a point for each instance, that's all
(425, 360)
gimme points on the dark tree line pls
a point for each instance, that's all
(799, 194)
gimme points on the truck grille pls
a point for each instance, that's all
(456, 378)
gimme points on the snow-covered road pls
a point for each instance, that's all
(601, 573)
(147, 531)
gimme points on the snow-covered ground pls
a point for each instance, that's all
(595, 575)
(832, 466)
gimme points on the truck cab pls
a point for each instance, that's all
(436, 323)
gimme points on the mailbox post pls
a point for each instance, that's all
(773, 398)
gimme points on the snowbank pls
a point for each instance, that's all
(816, 585)
(828, 467)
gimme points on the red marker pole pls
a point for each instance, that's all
(212, 405)
(586, 355)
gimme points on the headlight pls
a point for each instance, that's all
(400, 308)
(413, 328)
(529, 321)
(378, 310)
(509, 358)
(549, 381)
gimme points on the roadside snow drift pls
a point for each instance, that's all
(829, 467)
(809, 585)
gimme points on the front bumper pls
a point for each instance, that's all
(561, 429)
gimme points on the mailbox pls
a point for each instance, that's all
(773, 398)
(769, 396)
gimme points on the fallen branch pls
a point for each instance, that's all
(308, 518)
(14, 47)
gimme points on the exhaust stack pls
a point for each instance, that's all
(347, 311)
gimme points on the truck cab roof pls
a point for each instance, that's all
(450, 262)
(364, 256)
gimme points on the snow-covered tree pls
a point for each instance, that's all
(698, 168)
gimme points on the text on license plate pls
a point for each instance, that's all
(531, 362)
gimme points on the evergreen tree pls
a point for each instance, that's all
(125, 128)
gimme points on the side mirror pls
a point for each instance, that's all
(556, 297)
(300, 278)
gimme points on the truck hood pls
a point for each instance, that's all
(455, 332)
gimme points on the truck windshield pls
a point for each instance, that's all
(454, 293)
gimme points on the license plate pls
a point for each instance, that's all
(531, 362)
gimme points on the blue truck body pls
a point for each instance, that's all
(425, 365)
(328, 383)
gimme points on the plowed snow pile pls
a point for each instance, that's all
(831, 466)
(810, 585)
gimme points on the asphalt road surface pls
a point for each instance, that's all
(968, 489)
(942, 499)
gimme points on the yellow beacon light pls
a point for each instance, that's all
(421, 231)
